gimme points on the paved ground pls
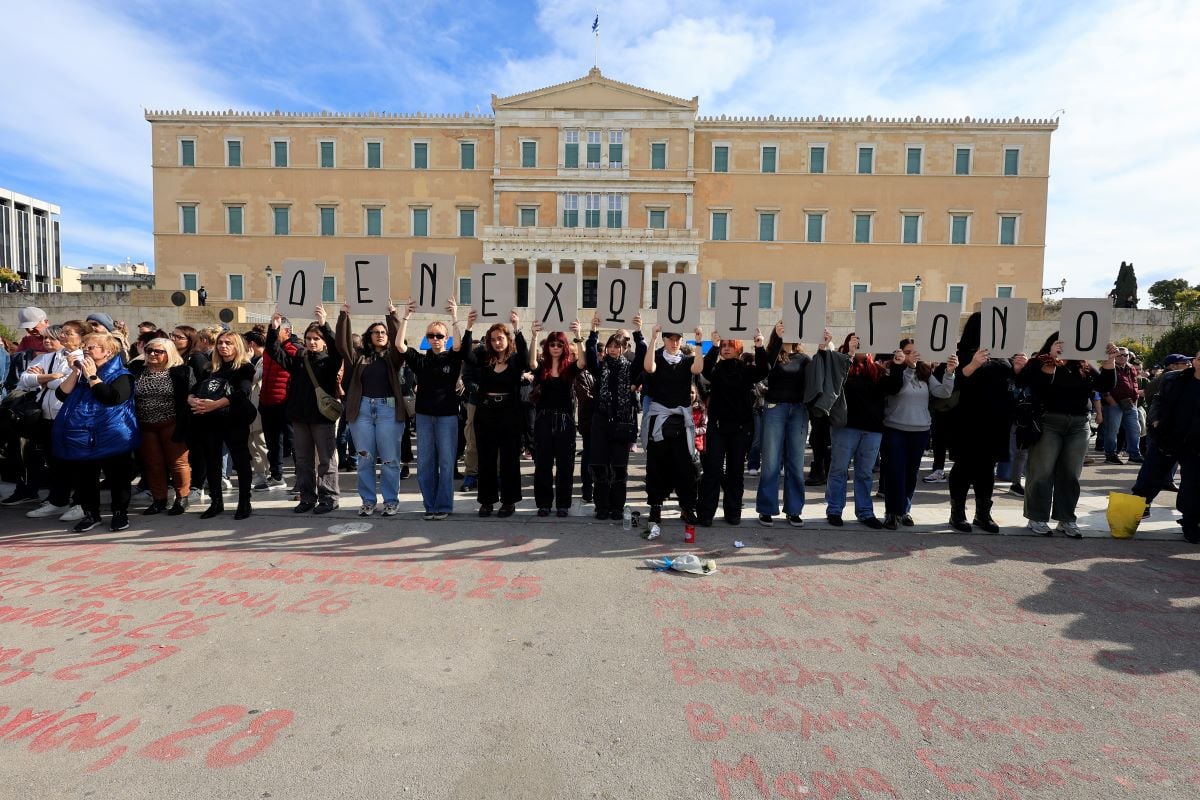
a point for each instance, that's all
(322, 657)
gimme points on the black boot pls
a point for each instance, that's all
(157, 507)
(216, 507)
(958, 517)
(243, 509)
(655, 512)
(983, 518)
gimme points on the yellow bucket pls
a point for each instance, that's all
(1124, 514)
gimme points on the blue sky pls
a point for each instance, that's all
(1123, 165)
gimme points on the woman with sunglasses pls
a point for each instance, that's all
(670, 437)
(187, 344)
(221, 416)
(96, 430)
(162, 382)
(613, 426)
(437, 371)
(374, 408)
(498, 422)
(554, 420)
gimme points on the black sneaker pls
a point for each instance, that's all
(795, 521)
(1113, 460)
(891, 522)
(404, 472)
(325, 508)
(120, 521)
(873, 523)
(304, 508)
(766, 520)
(19, 498)
(86, 524)
(834, 519)
(906, 520)
(1017, 489)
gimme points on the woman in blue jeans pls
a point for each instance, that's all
(784, 432)
(374, 409)
(437, 371)
(858, 439)
(909, 384)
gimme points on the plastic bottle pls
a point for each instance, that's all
(627, 519)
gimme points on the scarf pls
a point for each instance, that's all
(672, 359)
(613, 395)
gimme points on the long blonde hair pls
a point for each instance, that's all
(240, 356)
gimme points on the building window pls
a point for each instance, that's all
(962, 161)
(374, 155)
(855, 290)
(233, 220)
(658, 219)
(766, 227)
(464, 291)
(959, 224)
(908, 297)
(769, 153)
(326, 154)
(189, 281)
(862, 228)
(466, 222)
(658, 155)
(233, 152)
(654, 294)
(522, 292)
(420, 155)
(614, 209)
(187, 152)
(571, 211)
(589, 290)
(913, 162)
(329, 289)
(466, 155)
(591, 211)
(235, 287)
(328, 221)
(1008, 230)
(571, 150)
(528, 217)
(420, 222)
(815, 230)
(866, 160)
(616, 149)
(187, 219)
(816, 159)
(593, 151)
(282, 216)
(1004, 292)
(956, 293)
(374, 222)
(528, 153)
(721, 158)
(766, 294)
(719, 229)
(1012, 160)
(712, 294)
(280, 149)
(912, 229)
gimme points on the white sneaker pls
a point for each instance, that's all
(390, 509)
(46, 509)
(366, 510)
(1040, 528)
(751, 472)
(195, 497)
(1070, 529)
(937, 476)
(226, 485)
(260, 484)
(74, 513)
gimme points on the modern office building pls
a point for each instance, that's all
(29, 241)
(594, 173)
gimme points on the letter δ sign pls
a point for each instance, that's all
(736, 309)
(804, 307)
(557, 300)
(937, 329)
(618, 296)
(1085, 327)
(678, 303)
(368, 284)
(877, 321)
(432, 280)
(493, 292)
(300, 289)
(1002, 322)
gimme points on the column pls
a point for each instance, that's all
(647, 279)
(691, 267)
(555, 265)
(531, 274)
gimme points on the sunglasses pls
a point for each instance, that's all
(156, 352)
(435, 336)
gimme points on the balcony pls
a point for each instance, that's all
(637, 244)
(504, 233)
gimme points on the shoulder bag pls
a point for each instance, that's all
(329, 406)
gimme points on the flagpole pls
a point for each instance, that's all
(596, 45)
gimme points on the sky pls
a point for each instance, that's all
(1123, 162)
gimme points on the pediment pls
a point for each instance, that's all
(594, 91)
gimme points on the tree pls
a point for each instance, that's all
(1180, 339)
(1124, 292)
(1162, 293)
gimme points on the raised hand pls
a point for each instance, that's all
(637, 319)
(758, 337)
(980, 358)
(319, 313)
(276, 319)
(471, 317)
(410, 308)
(514, 319)
(779, 329)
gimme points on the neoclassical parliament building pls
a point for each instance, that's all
(595, 172)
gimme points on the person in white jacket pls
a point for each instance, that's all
(43, 375)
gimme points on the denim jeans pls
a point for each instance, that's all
(1115, 418)
(438, 440)
(862, 447)
(902, 452)
(785, 430)
(377, 435)
(1055, 461)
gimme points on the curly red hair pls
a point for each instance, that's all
(547, 360)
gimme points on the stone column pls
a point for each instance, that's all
(647, 280)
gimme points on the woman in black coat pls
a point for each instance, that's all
(221, 417)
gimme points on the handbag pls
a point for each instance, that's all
(329, 406)
(1028, 418)
(20, 413)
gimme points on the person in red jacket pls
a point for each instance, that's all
(272, 403)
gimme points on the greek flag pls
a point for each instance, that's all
(596, 24)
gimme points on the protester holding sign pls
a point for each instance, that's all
(437, 371)
(671, 457)
(554, 421)
(374, 409)
(313, 370)
(498, 422)
(614, 416)
(909, 384)
(221, 417)
(1063, 390)
(785, 430)
(857, 431)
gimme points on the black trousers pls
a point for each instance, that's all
(974, 469)
(938, 436)
(669, 468)
(609, 465)
(58, 475)
(724, 462)
(117, 469)
(217, 434)
(820, 440)
(278, 433)
(553, 458)
(498, 433)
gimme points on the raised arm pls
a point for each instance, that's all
(275, 347)
(455, 329)
(344, 336)
(533, 351)
(648, 364)
(402, 331)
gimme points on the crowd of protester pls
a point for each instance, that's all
(91, 407)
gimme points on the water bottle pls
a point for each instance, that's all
(627, 519)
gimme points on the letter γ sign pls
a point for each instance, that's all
(432, 281)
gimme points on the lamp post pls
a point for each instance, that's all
(270, 285)
(1060, 289)
(916, 291)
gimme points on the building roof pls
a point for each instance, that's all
(594, 91)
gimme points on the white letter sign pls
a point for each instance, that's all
(1085, 328)
(877, 321)
(1002, 325)
(804, 306)
(432, 280)
(557, 296)
(937, 329)
(619, 295)
(737, 309)
(678, 303)
(368, 284)
(300, 289)
(493, 292)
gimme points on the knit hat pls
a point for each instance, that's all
(30, 317)
(103, 319)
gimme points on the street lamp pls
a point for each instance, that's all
(270, 285)
(1060, 289)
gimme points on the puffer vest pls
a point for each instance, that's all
(87, 430)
